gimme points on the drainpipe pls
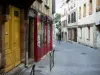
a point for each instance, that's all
(77, 22)
(27, 37)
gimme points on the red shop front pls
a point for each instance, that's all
(42, 36)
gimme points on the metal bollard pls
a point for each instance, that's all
(33, 70)
(52, 60)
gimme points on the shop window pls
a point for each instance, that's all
(97, 5)
(42, 34)
(90, 7)
(79, 12)
(84, 10)
(48, 33)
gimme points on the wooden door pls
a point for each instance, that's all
(12, 39)
(16, 34)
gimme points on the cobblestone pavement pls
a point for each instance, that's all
(76, 59)
(41, 68)
(70, 59)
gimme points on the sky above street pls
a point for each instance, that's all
(58, 5)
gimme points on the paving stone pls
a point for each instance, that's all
(76, 59)
(70, 59)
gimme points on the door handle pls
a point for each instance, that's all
(6, 33)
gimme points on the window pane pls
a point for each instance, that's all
(97, 5)
(90, 7)
(84, 10)
(79, 12)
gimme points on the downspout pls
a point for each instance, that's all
(77, 22)
(27, 36)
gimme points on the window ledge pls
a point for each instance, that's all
(80, 37)
(88, 39)
(97, 10)
(90, 13)
(79, 17)
(84, 16)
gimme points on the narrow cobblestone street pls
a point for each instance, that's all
(70, 59)
(76, 59)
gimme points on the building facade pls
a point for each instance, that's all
(26, 32)
(72, 20)
(88, 22)
(83, 22)
(64, 31)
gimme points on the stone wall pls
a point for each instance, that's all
(22, 36)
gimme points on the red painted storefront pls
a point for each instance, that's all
(42, 36)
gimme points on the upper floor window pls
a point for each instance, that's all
(97, 5)
(68, 18)
(84, 10)
(65, 11)
(63, 23)
(81, 32)
(89, 32)
(79, 12)
(46, 1)
(74, 16)
(90, 7)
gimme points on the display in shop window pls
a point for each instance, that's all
(48, 33)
